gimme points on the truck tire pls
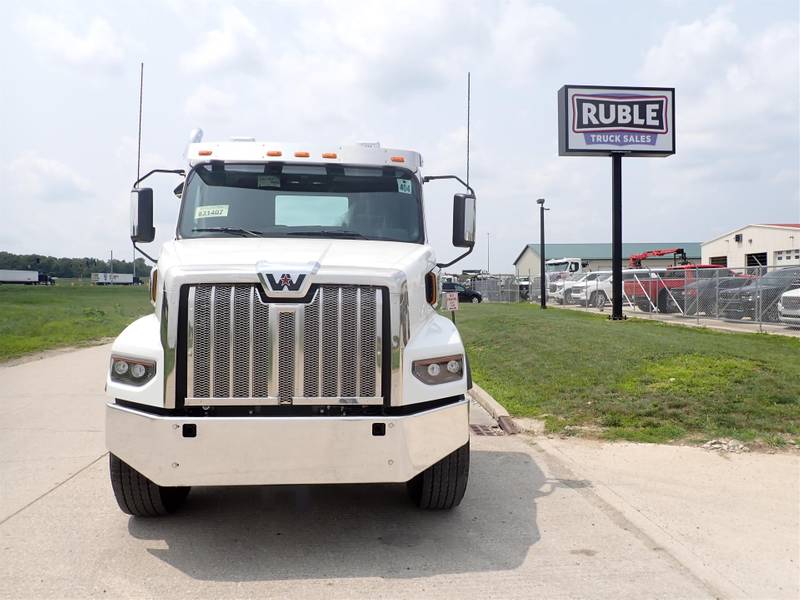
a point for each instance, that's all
(442, 485)
(665, 303)
(140, 497)
(598, 299)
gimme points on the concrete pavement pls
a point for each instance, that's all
(538, 520)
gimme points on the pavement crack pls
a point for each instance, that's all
(52, 489)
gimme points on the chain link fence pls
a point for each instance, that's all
(497, 289)
(756, 294)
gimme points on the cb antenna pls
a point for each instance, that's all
(138, 153)
(139, 164)
(468, 108)
(139, 145)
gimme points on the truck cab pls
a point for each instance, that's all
(558, 269)
(294, 337)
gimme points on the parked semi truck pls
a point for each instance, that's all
(557, 269)
(294, 337)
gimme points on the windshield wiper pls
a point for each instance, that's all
(328, 233)
(233, 230)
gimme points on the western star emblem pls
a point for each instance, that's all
(286, 280)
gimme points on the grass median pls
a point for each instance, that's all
(635, 380)
(35, 318)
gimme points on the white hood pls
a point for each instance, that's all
(242, 254)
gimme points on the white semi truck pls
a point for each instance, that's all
(294, 337)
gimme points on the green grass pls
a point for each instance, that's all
(34, 318)
(635, 380)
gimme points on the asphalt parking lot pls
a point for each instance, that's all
(541, 518)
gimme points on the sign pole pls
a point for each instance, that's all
(616, 121)
(616, 236)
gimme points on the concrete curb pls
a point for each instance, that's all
(495, 409)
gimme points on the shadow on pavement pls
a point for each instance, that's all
(295, 532)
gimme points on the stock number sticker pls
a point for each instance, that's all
(207, 212)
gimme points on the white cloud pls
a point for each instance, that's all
(57, 211)
(341, 48)
(235, 45)
(208, 103)
(528, 36)
(101, 46)
(736, 93)
(693, 52)
(32, 177)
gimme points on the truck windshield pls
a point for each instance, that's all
(276, 200)
(556, 267)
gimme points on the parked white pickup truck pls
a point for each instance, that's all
(294, 337)
(789, 308)
(597, 290)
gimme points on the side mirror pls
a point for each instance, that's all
(142, 229)
(463, 220)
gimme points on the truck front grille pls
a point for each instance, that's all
(243, 350)
(791, 302)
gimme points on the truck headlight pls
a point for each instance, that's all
(132, 371)
(439, 370)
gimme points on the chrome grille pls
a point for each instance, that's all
(242, 350)
(791, 302)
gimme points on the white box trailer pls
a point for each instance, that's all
(15, 276)
(295, 343)
(112, 278)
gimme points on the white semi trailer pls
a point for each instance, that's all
(17, 276)
(294, 337)
(112, 279)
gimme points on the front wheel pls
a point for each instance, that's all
(475, 300)
(598, 299)
(140, 497)
(442, 485)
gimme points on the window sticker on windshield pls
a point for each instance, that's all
(269, 181)
(404, 186)
(206, 212)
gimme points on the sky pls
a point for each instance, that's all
(334, 72)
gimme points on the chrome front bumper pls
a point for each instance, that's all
(284, 450)
(789, 317)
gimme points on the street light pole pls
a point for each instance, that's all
(542, 281)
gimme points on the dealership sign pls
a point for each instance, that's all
(595, 120)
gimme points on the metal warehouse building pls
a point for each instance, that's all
(598, 255)
(771, 245)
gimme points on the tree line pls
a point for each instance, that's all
(70, 267)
